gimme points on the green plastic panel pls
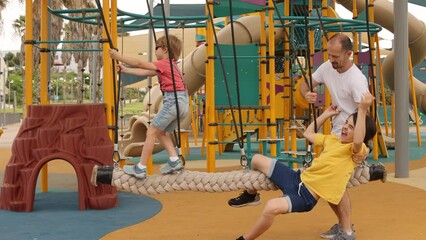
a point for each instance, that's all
(222, 9)
(248, 76)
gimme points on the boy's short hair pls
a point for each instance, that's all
(175, 45)
(370, 127)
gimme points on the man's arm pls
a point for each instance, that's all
(305, 90)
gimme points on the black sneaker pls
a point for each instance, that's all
(245, 199)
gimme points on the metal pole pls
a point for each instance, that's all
(94, 75)
(49, 36)
(4, 97)
(402, 153)
(14, 101)
(150, 45)
(64, 97)
(167, 8)
(72, 89)
(8, 92)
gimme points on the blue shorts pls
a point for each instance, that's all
(166, 118)
(298, 196)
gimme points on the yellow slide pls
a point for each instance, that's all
(416, 38)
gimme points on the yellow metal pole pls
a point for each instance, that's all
(210, 102)
(327, 124)
(194, 118)
(220, 130)
(197, 112)
(263, 79)
(354, 34)
(312, 52)
(114, 23)
(311, 37)
(373, 72)
(382, 86)
(204, 140)
(44, 28)
(271, 31)
(413, 95)
(287, 81)
(29, 55)
(108, 89)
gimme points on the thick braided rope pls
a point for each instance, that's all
(193, 181)
(361, 175)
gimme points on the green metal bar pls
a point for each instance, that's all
(61, 11)
(331, 24)
(142, 27)
(243, 57)
(170, 18)
(67, 41)
(245, 124)
(79, 50)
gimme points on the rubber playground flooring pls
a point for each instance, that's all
(392, 210)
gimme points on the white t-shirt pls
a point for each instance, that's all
(345, 89)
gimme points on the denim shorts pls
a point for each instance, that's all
(166, 118)
(298, 196)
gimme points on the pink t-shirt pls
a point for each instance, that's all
(165, 76)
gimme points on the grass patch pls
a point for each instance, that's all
(133, 108)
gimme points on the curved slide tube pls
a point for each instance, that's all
(416, 39)
(248, 31)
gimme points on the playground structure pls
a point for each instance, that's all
(259, 115)
(265, 35)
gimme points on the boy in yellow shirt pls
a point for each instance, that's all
(329, 173)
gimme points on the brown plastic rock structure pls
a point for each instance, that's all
(77, 134)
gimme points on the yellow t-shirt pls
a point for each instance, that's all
(330, 172)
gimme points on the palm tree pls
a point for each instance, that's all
(74, 31)
(19, 27)
(81, 31)
(96, 60)
(66, 56)
(3, 4)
